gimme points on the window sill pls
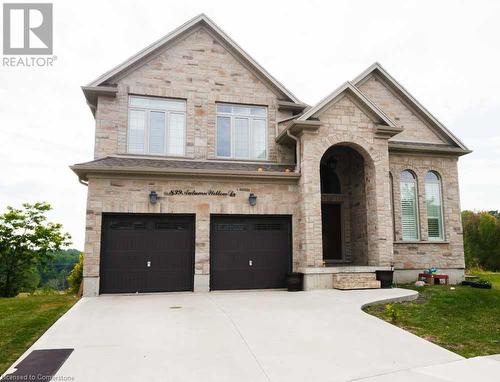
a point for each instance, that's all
(225, 159)
(421, 242)
(154, 156)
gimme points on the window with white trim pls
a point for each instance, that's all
(241, 131)
(156, 126)
(409, 207)
(433, 201)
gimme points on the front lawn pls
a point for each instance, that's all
(24, 319)
(464, 320)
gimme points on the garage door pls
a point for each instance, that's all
(147, 253)
(249, 252)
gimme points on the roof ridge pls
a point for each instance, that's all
(158, 44)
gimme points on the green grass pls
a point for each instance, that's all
(24, 319)
(464, 320)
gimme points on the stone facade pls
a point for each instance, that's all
(424, 253)
(203, 69)
(415, 130)
(346, 124)
(125, 195)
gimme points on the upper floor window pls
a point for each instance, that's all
(409, 208)
(241, 131)
(156, 126)
(433, 200)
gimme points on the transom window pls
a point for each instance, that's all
(409, 209)
(433, 201)
(241, 131)
(156, 126)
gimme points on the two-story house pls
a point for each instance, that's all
(209, 174)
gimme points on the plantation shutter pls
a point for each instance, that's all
(434, 207)
(409, 211)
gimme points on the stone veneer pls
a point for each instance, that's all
(127, 195)
(415, 129)
(344, 123)
(200, 70)
(423, 253)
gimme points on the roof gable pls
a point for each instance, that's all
(403, 94)
(372, 110)
(200, 20)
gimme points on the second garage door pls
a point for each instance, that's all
(249, 252)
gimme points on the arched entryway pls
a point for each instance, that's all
(343, 206)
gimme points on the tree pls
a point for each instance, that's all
(482, 239)
(56, 271)
(27, 241)
(76, 276)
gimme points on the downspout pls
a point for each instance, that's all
(297, 150)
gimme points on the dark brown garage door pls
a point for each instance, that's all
(147, 253)
(249, 252)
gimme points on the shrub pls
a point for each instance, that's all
(76, 276)
(392, 312)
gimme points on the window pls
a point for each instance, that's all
(156, 126)
(241, 131)
(409, 209)
(433, 200)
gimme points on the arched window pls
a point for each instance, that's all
(433, 201)
(409, 208)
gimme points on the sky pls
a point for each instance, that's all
(446, 53)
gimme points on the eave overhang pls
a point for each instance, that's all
(295, 128)
(291, 106)
(85, 172)
(92, 92)
(426, 148)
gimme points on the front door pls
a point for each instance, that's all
(331, 221)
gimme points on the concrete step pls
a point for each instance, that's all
(353, 280)
(367, 276)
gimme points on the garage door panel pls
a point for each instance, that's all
(249, 252)
(147, 253)
(234, 279)
(230, 260)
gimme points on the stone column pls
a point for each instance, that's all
(379, 219)
(311, 249)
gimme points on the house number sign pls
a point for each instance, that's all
(229, 193)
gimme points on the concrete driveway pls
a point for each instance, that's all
(242, 336)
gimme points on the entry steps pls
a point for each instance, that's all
(355, 280)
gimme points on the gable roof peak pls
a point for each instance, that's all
(409, 99)
(201, 19)
(374, 110)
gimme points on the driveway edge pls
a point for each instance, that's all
(411, 296)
